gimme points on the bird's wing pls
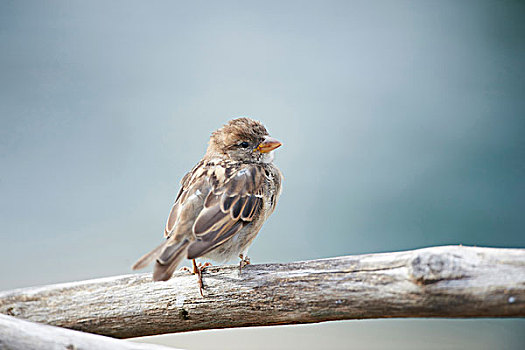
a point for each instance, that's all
(194, 188)
(215, 202)
(235, 197)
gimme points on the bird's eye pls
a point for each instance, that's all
(244, 144)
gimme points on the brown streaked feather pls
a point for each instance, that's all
(207, 219)
(189, 183)
(237, 208)
(220, 229)
(146, 259)
(169, 259)
(252, 204)
(227, 205)
(172, 219)
(258, 205)
(227, 209)
(211, 200)
(203, 246)
(227, 202)
(169, 251)
(236, 185)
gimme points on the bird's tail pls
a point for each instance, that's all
(169, 255)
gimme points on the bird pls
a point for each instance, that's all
(222, 202)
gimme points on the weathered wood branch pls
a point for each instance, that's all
(18, 334)
(452, 281)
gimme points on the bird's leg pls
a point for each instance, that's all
(198, 272)
(244, 261)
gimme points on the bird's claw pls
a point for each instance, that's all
(205, 265)
(197, 270)
(244, 261)
(185, 268)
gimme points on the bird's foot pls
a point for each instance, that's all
(244, 261)
(197, 270)
(205, 265)
(185, 268)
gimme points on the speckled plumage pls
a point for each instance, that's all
(223, 201)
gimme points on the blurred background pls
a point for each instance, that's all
(403, 127)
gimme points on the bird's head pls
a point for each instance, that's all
(242, 139)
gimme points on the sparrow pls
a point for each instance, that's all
(223, 201)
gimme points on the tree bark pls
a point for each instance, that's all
(451, 281)
(16, 334)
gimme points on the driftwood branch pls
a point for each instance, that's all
(19, 334)
(452, 281)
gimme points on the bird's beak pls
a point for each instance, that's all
(269, 144)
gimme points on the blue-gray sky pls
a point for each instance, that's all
(402, 124)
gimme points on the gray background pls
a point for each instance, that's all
(402, 122)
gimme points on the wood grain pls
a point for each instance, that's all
(450, 281)
(16, 334)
